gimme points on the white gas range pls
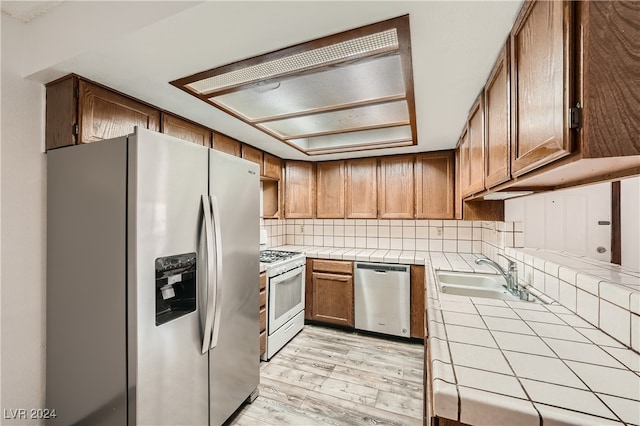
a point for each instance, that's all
(285, 297)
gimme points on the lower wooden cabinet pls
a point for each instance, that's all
(263, 312)
(331, 292)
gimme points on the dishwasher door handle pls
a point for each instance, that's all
(379, 271)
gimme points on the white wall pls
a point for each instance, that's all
(630, 222)
(567, 220)
(22, 232)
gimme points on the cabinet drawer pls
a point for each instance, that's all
(263, 298)
(263, 319)
(263, 342)
(263, 281)
(336, 266)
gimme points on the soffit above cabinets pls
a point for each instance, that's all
(350, 91)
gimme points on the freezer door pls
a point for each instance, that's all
(167, 375)
(234, 357)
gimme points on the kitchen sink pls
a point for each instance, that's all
(473, 284)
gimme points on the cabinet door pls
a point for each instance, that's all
(540, 59)
(330, 190)
(272, 166)
(476, 148)
(254, 155)
(465, 158)
(362, 189)
(185, 130)
(299, 190)
(103, 114)
(435, 185)
(225, 144)
(333, 298)
(498, 129)
(396, 188)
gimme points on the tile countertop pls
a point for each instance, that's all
(505, 363)
(360, 254)
(513, 363)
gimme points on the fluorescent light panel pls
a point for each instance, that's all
(362, 46)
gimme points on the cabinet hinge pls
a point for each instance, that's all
(76, 129)
(575, 117)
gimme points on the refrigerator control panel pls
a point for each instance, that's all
(175, 287)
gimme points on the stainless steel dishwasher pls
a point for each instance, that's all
(382, 298)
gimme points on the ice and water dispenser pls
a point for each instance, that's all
(175, 286)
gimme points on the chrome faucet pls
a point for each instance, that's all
(510, 275)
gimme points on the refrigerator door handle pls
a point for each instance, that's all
(208, 318)
(217, 232)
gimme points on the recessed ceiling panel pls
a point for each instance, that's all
(392, 113)
(324, 94)
(395, 134)
(365, 81)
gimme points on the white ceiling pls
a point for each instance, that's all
(26, 11)
(454, 46)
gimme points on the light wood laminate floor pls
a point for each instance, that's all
(331, 377)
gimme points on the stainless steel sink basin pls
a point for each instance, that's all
(474, 285)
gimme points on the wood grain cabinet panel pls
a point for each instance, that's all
(475, 166)
(185, 130)
(497, 166)
(435, 196)
(362, 189)
(541, 84)
(254, 155)
(226, 144)
(299, 185)
(62, 113)
(103, 114)
(610, 78)
(263, 312)
(464, 156)
(418, 325)
(272, 166)
(333, 298)
(396, 188)
(330, 188)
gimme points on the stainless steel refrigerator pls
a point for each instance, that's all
(152, 282)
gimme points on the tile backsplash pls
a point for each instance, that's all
(603, 294)
(421, 235)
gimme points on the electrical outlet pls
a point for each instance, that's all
(439, 231)
(302, 229)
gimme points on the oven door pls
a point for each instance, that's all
(286, 297)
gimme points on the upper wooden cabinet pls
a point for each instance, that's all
(330, 185)
(609, 87)
(272, 166)
(80, 112)
(299, 190)
(395, 188)
(362, 189)
(226, 144)
(475, 168)
(185, 130)
(103, 114)
(541, 82)
(254, 155)
(435, 185)
(497, 144)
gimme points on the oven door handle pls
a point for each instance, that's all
(290, 274)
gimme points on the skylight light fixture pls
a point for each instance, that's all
(325, 95)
